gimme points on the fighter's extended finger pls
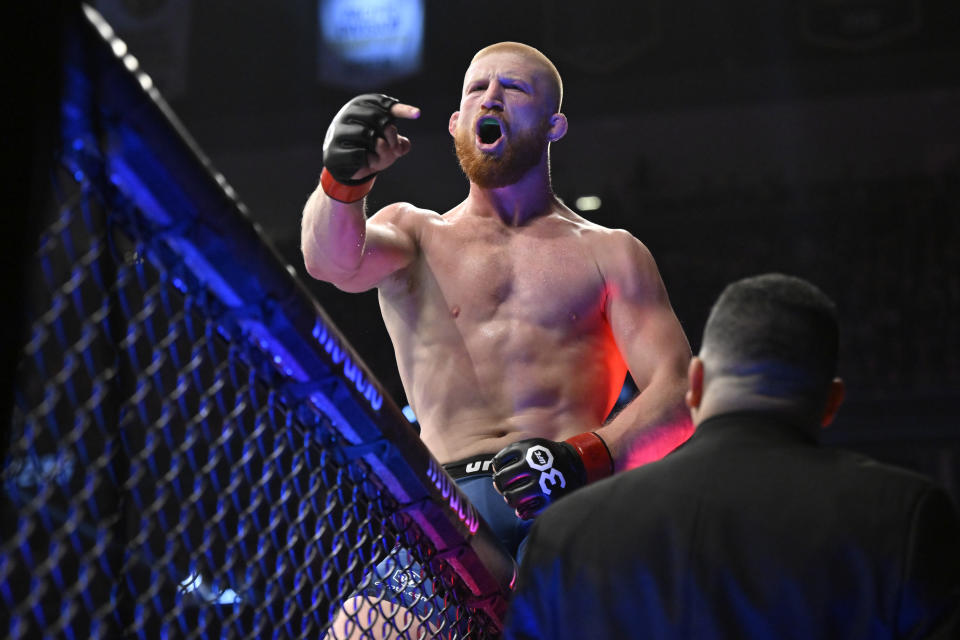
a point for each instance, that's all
(405, 111)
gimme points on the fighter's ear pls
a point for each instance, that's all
(452, 125)
(558, 127)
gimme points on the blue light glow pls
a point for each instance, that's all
(369, 42)
(351, 370)
(194, 584)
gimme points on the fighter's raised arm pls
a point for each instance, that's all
(339, 244)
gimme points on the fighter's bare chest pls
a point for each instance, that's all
(538, 276)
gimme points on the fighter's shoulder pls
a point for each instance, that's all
(625, 263)
(604, 237)
(406, 217)
(614, 248)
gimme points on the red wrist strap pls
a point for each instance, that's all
(595, 455)
(344, 192)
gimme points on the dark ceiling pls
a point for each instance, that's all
(259, 56)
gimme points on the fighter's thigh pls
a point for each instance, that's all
(363, 619)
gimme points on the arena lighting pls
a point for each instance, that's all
(194, 584)
(588, 203)
(365, 43)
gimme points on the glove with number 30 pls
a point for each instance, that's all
(532, 474)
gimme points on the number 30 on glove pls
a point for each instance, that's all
(531, 474)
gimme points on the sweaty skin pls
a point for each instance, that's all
(511, 336)
(511, 316)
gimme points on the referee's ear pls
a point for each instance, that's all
(694, 395)
(834, 399)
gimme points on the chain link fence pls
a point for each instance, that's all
(175, 466)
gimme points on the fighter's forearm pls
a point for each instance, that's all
(332, 235)
(654, 423)
(361, 141)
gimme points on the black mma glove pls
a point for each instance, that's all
(351, 136)
(532, 474)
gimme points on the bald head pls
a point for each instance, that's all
(552, 76)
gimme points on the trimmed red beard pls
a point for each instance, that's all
(520, 154)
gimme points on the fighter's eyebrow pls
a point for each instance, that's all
(507, 80)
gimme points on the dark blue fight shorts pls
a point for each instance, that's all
(397, 578)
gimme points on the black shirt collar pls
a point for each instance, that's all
(764, 424)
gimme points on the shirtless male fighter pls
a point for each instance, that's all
(514, 320)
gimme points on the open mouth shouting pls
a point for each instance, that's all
(490, 137)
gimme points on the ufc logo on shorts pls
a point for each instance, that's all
(541, 459)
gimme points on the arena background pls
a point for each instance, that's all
(813, 137)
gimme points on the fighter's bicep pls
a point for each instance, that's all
(644, 325)
(389, 245)
(650, 339)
